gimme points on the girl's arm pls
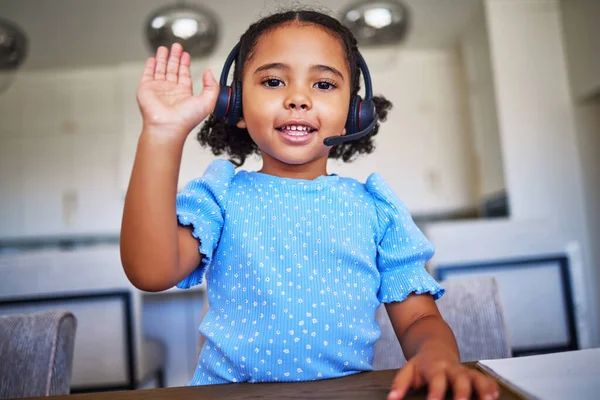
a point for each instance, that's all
(156, 252)
(432, 353)
(418, 324)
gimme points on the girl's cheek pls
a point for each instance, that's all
(337, 112)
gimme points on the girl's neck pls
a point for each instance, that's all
(308, 171)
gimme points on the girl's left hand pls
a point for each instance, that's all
(431, 367)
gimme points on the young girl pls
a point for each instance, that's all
(296, 259)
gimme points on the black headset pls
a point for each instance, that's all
(361, 121)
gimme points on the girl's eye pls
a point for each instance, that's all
(272, 83)
(324, 85)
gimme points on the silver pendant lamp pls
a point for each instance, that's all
(195, 27)
(14, 46)
(377, 23)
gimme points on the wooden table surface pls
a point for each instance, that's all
(366, 385)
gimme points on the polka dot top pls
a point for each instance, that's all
(295, 270)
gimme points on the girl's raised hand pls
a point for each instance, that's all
(165, 95)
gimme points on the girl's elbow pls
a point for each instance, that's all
(141, 277)
(147, 284)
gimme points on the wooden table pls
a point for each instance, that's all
(366, 385)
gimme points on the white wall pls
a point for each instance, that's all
(59, 138)
(581, 34)
(587, 118)
(475, 53)
(541, 159)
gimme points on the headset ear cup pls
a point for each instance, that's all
(235, 112)
(366, 114)
(222, 107)
(352, 121)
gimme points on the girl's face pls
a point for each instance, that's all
(296, 92)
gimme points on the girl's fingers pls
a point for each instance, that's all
(461, 383)
(209, 94)
(173, 63)
(148, 73)
(210, 87)
(437, 386)
(486, 387)
(161, 63)
(184, 70)
(403, 381)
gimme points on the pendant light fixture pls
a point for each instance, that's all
(13, 51)
(377, 23)
(195, 28)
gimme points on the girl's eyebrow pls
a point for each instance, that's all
(318, 67)
(327, 68)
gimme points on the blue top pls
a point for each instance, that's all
(295, 270)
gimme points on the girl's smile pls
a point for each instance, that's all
(297, 132)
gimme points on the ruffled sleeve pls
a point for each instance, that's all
(402, 248)
(200, 204)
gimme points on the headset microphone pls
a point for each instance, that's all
(335, 140)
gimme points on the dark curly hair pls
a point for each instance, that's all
(237, 142)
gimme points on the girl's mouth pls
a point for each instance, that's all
(296, 134)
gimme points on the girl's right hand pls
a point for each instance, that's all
(165, 95)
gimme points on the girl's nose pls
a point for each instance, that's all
(298, 101)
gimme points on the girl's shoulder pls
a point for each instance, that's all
(377, 185)
(376, 188)
(216, 179)
(382, 192)
(219, 170)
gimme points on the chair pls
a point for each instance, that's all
(472, 308)
(37, 354)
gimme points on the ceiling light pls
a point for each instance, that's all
(194, 27)
(13, 51)
(375, 23)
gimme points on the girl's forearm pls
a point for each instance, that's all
(426, 332)
(149, 244)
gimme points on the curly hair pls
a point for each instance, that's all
(237, 143)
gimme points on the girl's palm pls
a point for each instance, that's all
(165, 93)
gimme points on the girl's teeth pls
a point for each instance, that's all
(297, 133)
(296, 128)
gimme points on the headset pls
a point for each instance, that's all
(361, 120)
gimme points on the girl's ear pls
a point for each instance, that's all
(241, 124)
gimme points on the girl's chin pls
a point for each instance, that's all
(298, 156)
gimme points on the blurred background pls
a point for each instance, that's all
(493, 143)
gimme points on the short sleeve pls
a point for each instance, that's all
(200, 204)
(402, 249)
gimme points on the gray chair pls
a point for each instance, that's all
(472, 308)
(37, 354)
